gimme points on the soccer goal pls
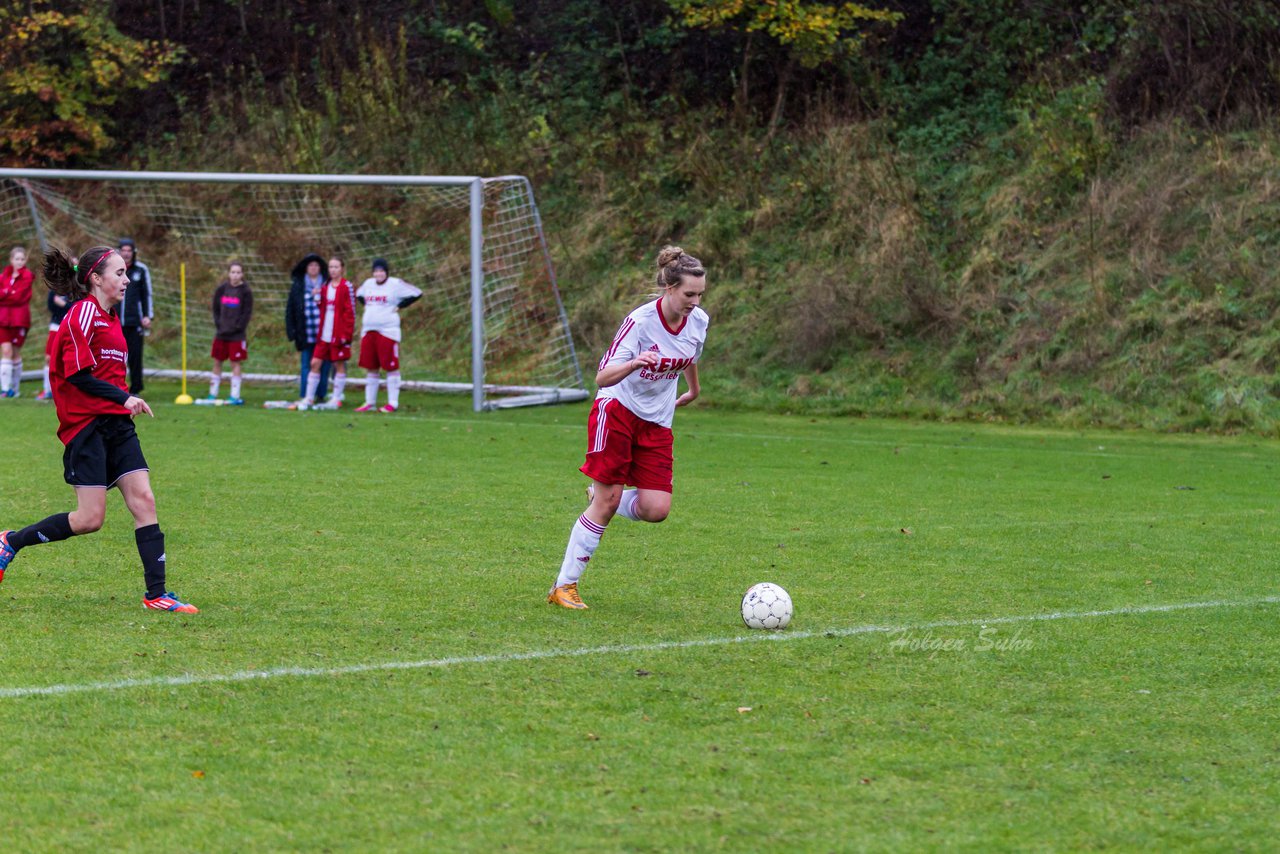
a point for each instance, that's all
(491, 323)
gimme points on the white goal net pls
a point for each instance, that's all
(491, 322)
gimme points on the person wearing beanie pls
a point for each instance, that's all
(382, 296)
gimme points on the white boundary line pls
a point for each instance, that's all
(537, 655)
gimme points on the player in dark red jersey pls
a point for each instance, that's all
(95, 419)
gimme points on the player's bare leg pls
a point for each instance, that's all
(91, 510)
(644, 505)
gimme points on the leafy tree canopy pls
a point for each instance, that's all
(815, 33)
(65, 68)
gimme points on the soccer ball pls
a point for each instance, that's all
(766, 606)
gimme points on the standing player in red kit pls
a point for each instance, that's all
(629, 438)
(333, 341)
(95, 419)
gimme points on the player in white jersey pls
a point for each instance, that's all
(382, 297)
(629, 438)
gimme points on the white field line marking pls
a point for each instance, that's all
(613, 649)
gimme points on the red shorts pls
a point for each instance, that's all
(378, 352)
(329, 351)
(624, 449)
(48, 344)
(236, 351)
(15, 335)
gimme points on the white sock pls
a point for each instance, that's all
(6, 373)
(17, 373)
(371, 388)
(339, 383)
(235, 386)
(48, 389)
(214, 384)
(627, 506)
(313, 382)
(393, 388)
(583, 542)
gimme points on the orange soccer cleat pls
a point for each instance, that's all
(566, 596)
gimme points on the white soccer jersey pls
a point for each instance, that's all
(650, 393)
(382, 305)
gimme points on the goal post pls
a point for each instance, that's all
(491, 323)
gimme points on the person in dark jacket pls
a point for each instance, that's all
(232, 311)
(302, 318)
(58, 307)
(137, 311)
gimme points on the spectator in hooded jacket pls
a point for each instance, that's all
(302, 319)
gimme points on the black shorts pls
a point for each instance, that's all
(103, 452)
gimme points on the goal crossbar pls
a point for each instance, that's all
(480, 391)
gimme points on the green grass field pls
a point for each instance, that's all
(948, 679)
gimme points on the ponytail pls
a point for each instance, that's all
(69, 277)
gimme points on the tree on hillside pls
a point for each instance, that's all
(65, 67)
(813, 34)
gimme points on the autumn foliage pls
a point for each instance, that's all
(65, 67)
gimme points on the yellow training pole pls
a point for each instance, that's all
(183, 398)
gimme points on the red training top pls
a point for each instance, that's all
(89, 337)
(15, 297)
(344, 312)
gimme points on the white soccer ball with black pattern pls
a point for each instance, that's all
(766, 606)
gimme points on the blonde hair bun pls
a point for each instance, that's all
(674, 263)
(669, 254)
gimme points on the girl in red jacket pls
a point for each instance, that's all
(333, 340)
(15, 319)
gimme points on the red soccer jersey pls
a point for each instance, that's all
(88, 338)
(337, 312)
(15, 297)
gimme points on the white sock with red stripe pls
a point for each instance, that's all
(48, 389)
(215, 383)
(627, 506)
(235, 386)
(339, 383)
(313, 382)
(17, 373)
(371, 388)
(393, 388)
(6, 374)
(583, 542)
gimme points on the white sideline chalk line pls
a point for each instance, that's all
(536, 655)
